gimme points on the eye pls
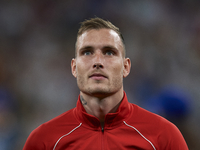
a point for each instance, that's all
(87, 50)
(110, 53)
(87, 53)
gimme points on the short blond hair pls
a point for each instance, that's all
(98, 23)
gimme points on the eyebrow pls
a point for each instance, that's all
(111, 47)
(104, 47)
(86, 47)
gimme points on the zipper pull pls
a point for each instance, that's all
(102, 129)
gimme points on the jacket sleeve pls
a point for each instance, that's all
(172, 139)
(34, 141)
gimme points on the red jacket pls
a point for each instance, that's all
(130, 128)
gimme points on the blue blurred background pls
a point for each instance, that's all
(37, 40)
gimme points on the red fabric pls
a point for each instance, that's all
(131, 127)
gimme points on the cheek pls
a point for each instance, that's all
(82, 69)
(118, 69)
(116, 74)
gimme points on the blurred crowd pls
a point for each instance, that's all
(37, 41)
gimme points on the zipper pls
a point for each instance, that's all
(102, 129)
(102, 138)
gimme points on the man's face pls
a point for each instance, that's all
(100, 64)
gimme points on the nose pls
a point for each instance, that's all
(98, 60)
(98, 66)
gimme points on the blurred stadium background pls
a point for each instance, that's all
(37, 40)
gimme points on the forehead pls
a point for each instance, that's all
(99, 37)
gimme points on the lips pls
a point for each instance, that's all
(97, 76)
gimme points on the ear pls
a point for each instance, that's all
(73, 67)
(127, 67)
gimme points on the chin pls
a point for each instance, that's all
(100, 92)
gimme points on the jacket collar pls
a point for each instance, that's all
(111, 120)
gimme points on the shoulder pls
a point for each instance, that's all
(50, 131)
(156, 128)
(148, 120)
(139, 115)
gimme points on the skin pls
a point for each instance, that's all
(99, 68)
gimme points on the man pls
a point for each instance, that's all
(103, 118)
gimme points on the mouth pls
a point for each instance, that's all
(97, 76)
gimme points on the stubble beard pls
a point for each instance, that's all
(99, 88)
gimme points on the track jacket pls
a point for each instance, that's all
(130, 128)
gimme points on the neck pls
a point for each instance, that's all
(100, 106)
